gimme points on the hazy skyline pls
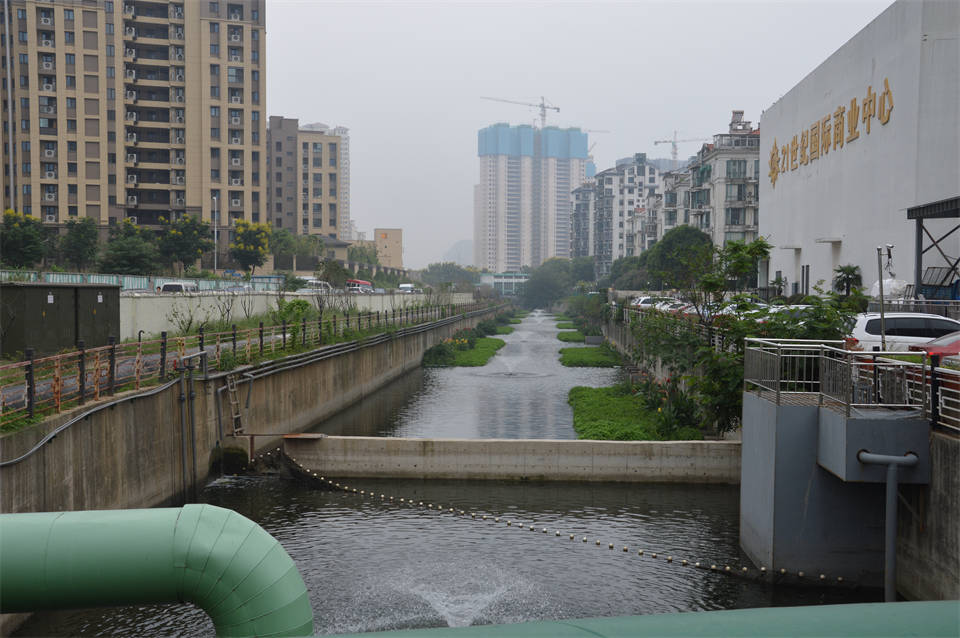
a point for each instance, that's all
(406, 79)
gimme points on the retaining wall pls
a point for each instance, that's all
(145, 451)
(154, 313)
(504, 459)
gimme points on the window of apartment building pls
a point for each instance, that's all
(254, 56)
(214, 7)
(736, 192)
(215, 71)
(111, 115)
(26, 189)
(735, 217)
(108, 27)
(235, 74)
(332, 214)
(756, 169)
(214, 111)
(70, 81)
(69, 37)
(278, 161)
(21, 14)
(278, 176)
(215, 92)
(111, 71)
(72, 189)
(111, 93)
(70, 59)
(254, 76)
(215, 49)
(736, 168)
(215, 155)
(278, 192)
(670, 218)
(214, 27)
(110, 52)
(333, 154)
(25, 168)
(255, 97)
(23, 36)
(215, 132)
(68, 14)
(72, 211)
(215, 174)
(25, 123)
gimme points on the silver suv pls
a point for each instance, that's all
(903, 329)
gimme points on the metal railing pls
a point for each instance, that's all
(851, 379)
(138, 282)
(50, 384)
(942, 307)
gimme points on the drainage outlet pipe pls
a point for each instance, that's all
(209, 556)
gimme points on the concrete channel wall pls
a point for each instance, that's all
(503, 459)
(149, 448)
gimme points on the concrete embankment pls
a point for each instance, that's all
(506, 459)
(144, 449)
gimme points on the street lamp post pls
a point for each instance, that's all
(216, 246)
(883, 326)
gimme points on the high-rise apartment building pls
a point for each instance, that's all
(523, 202)
(308, 182)
(610, 212)
(134, 109)
(718, 191)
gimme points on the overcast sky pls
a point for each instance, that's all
(406, 79)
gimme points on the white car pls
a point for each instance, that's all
(903, 329)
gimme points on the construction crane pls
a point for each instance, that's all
(673, 145)
(543, 106)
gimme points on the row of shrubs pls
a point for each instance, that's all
(442, 354)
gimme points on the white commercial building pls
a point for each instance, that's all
(871, 133)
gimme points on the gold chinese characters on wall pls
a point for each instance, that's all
(831, 132)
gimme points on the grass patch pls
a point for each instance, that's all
(504, 330)
(616, 414)
(486, 347)
(562, 317)
(570, 336)
(590, 357)
(566, 325)
(516, 321)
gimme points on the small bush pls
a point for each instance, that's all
(570, 336)
(442, 354)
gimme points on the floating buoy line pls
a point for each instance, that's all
(774, 576)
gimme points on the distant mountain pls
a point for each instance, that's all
(460, 253)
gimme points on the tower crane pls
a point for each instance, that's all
(673, 145)
(544, 106)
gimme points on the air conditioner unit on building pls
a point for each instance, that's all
(235, 16)
(131, 74)
(178, 179)
(178, 119)
(131, 179)
(235, 203)
(47, 66)
(46, 21)
(132, 116)
(235, 120)
(50, 197)
(132, 218)
(47, 87)
(178, 34)
(50, 175)
(131, 53)
(178, 57)
(235, 99)
(176, 14)
(178, 98)
(236, 182)
(128, 9)
(178, 77)
(132, 137)
(235, 140)
(235, 161)
(48, 109)
(132, 158)
(50, 219)
(132, 201)
(130, 32)
(179, 201)
(179, 161)
(46, 43)
(49, 152)
(236, 58)
(179, 140)
(132, 96)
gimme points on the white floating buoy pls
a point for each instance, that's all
(584, 539)
(782, 571)
(653, 555)
(625, 549)
(823, 577)
(640, 553)
(800, 574)
(684, 562)
(558, 532)
(669, 559)
(598, 542)
(571, 536)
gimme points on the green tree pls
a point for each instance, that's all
(363, 254)
(582, 269)
(184, 240)
(548, 283)
(129, 251)
(79, 244)
(283, 243)
(847, 278)
(251, 245)
(332, 272)
(448, 272)
(21, 240)
(681, 258)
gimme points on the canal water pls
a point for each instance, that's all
(373, 566)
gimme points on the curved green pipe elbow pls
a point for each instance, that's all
(209, 556)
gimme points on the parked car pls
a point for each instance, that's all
(946, 347)
(649, 301)
(179, 286)
(903, 329)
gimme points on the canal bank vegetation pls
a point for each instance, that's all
(570, 336)
(626, 413)
(602, 356)
(470, 348)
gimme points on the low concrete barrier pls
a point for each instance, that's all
(509, 459)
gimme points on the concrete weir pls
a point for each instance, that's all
(511, 459)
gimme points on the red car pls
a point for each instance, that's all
(946, 346)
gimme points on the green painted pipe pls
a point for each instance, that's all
(209, 556)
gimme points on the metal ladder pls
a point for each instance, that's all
(235, 413)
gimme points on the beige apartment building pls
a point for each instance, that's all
(389, 243)
(308, 188)
(135, 109)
